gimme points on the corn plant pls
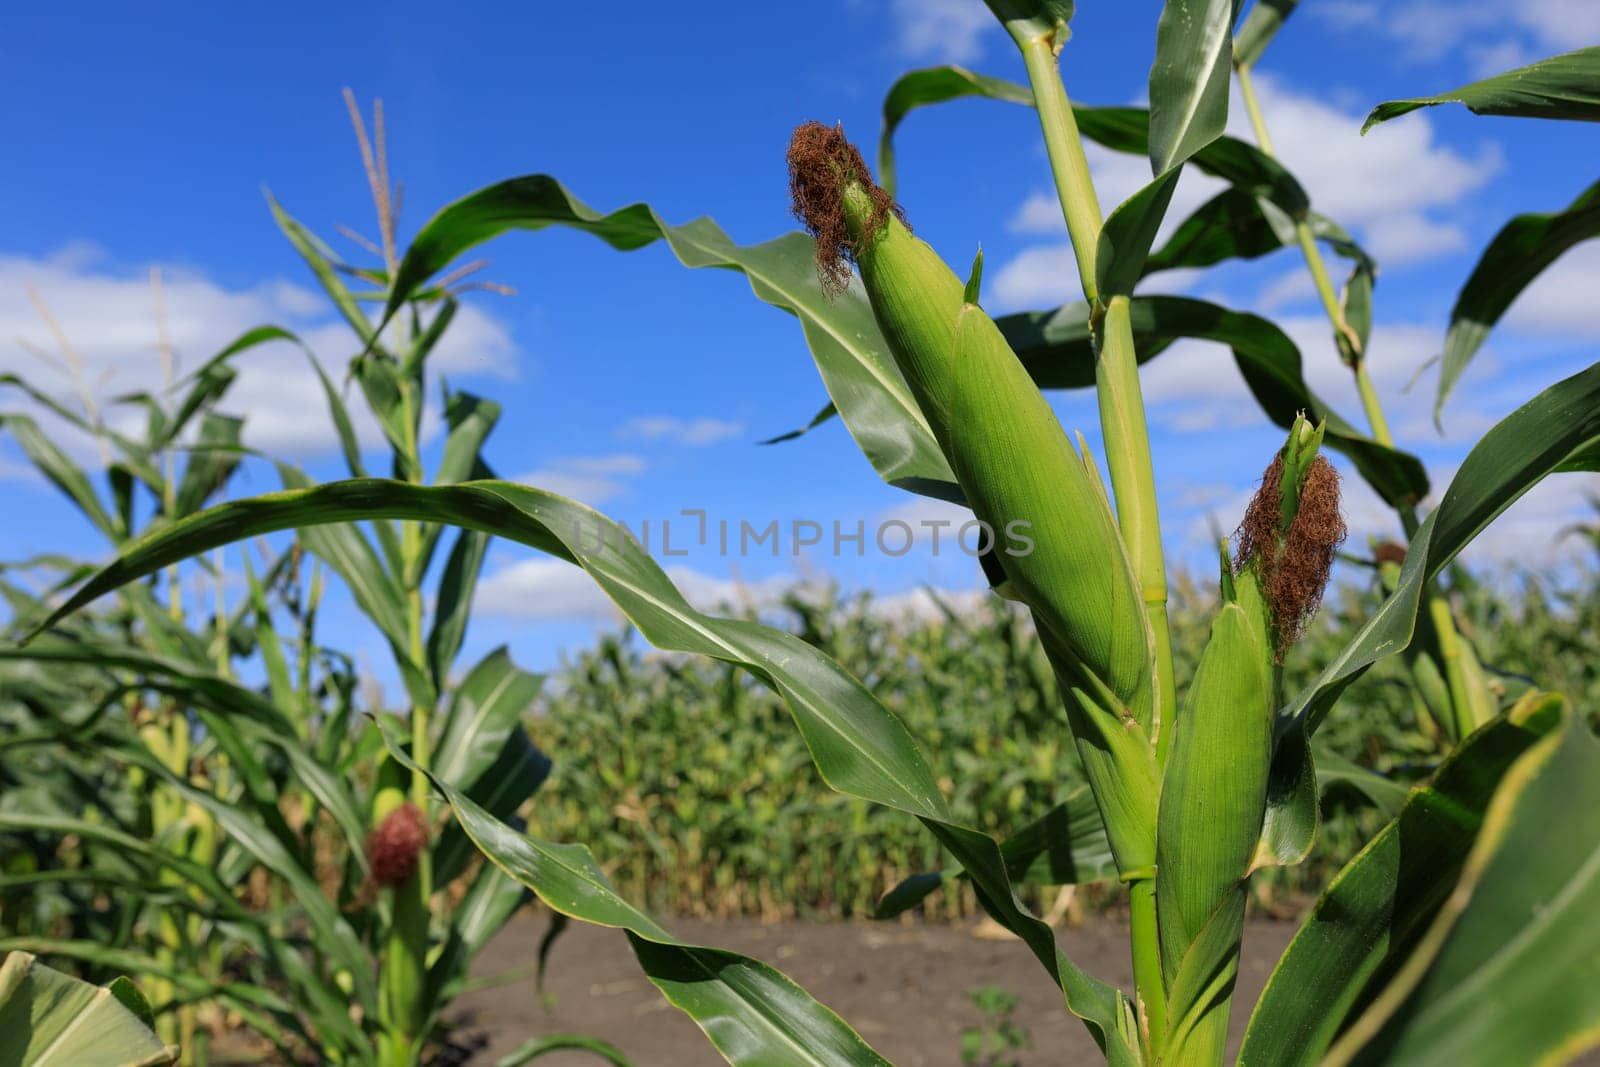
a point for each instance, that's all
(321, 875)
(1460, 933)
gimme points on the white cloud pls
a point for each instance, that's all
(1428, 30)
(590, 479)
(1561, 301)
(947, 30)
(1042, 277)
(108, 315)
(551, 590)
(1292, 287)
(1408, 238)
(1398, 188)
(680, 431)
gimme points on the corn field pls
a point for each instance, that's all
(219, 843)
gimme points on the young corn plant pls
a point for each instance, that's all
(1487, 869)
(331, 913)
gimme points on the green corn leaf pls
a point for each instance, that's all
(516, 774)
(1128, 234)
(322, 263)
(858, 746)
(1517, 255)
(490, 901)
(1259, 27)
(1561, 87)
(469, 419)
(1067, 846)
(1335, 770)
(49, 1019)
(1240, 224)
(196, 682)
(453, 609)
(211, 462)
(1520, 923)
(483, 711)
(1025, 19)
(855, 364)
(62, 472)
(1189, 79)
(1377, 907)
(751, 1012)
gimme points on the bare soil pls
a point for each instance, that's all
(905, 988)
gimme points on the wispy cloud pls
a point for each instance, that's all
(589, 479)
(671, 429)
(950, 31)
(108, 314)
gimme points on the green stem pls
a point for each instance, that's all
(1454, 671)
(1068, 165)
(1146, 939)
(1349, 345)
(1127, 444)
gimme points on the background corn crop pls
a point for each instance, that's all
(699, 798)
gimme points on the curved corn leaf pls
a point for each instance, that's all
(1517, 255)
(859, 747)
(1189, 79)
(935, 85)
(850, 353)
(1239, 224)
(1377, 907)
(1519, 927)
(1259, 27)
(49, 1019)
(751, 1012)
(1560, 87)
(1121, 129)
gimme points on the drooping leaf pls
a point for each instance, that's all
(62, 472)
(855, 363)
(1189, 79)
(859, 747)
(751, 1012)
(1560, 87)
(1519, 253)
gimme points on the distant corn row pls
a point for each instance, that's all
(699, 798)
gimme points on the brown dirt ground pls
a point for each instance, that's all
(905, 988)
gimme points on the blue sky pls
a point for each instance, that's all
(143, 138)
